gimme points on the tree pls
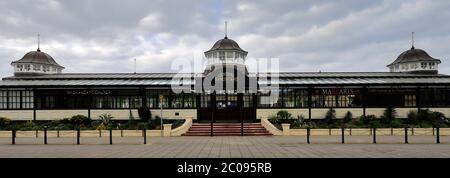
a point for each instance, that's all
(348, 117)
(389, 115)
(330, 116)
(144, 113)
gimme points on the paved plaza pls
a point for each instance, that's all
(228, 147)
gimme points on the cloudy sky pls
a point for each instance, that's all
(107, 35)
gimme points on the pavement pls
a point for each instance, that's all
(227, 147)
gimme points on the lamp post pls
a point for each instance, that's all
(161, 98)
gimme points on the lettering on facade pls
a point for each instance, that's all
(336, 91)
(88, 92)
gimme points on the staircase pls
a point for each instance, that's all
(227, 129)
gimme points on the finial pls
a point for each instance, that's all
(412, 40)
(135, 65)
(226, 35)
(39, 41)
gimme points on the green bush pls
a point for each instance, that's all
(79, 121)
(282, 116)
(366, 120)
(299, 122)
(330, 116)
(412, 118)
(396, 123)
(348, 117)
(4, 122)
(389, 115)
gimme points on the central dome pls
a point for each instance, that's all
(37, 57)
(226, 44)
(414, 55)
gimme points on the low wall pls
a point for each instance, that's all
(58, 114)
(175, 113)
(118, 114)
(17, 115)
(270, 127)
(267, 113)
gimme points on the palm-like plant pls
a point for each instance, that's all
(106, 119)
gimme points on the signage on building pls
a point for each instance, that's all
(336, 91)
(88, 92)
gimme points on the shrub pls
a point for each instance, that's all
(77, 121)
(412, 118)
(438, 119)
(348, 117)
(282, 116)
(366, 120)
(330, 116)
(144, 113)
(389, 115)
(4, 122)
(299, 122)
(106, 119)
(396, 123)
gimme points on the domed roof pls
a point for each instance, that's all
(226, 44)
(414, 55)
(37, 57)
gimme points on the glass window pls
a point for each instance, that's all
(27, 99)
(189, 100)
(135, 102)
(14, 99)
(248, 101)
(177, 100)
(3, 99)
(123, 102)
(104, 102)
(205, 100)
(222, 55)
(266, 100)
(410, 100)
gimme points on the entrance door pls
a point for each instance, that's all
(226, 107)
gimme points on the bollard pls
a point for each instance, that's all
(342, 135)
(374, 135)
(57, 133)
(78, 136)
(308, 133)
(13, 137)
(437, 135)
(45, 136)
(110, 136)
(144, 133)
(406, 134)
(350, 131)
(392, 131)
(121, 132)
(100, 133)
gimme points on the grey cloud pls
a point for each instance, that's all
(106, 35)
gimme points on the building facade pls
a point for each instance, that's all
(39, 90)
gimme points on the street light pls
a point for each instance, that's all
(161, 98)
